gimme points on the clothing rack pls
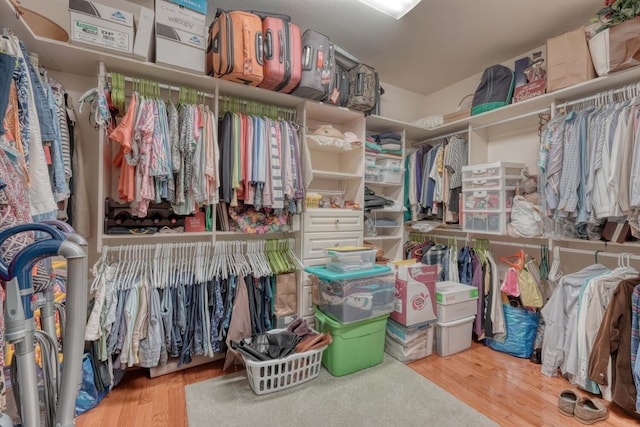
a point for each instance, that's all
(441, 137)
(609, 96)
(236, 105)
(166, 86)
(598, 253)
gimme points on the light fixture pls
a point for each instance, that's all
(394, 8)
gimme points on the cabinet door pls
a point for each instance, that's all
(332, 220)
(315, 243)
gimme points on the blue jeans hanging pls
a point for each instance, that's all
(7, 64)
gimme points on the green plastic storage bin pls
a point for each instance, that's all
(355, 346)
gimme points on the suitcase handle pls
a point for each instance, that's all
(281, 46)
(359, 84)
(307, 54)
(259, 48)
(268, 44)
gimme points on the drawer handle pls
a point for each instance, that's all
(337, 244)
(337, 221)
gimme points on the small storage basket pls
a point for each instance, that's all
(279, 374)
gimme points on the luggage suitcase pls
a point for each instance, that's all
(318, 65)
(363, 88)
(282, 53)
(235, 47)
(339, 92)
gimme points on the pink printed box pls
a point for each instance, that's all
(415, 294)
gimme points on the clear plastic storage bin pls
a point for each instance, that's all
(350, 260)
(354, 297)
(392, 175)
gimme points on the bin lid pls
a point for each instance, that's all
(324, 274)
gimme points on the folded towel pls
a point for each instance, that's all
(389, 135)
(372, 146)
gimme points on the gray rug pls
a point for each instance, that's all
(389, 394)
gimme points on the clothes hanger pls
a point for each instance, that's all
(516, 261)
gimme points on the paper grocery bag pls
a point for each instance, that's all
(568, 60)
(616, 48)
(286, 302)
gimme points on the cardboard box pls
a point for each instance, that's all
(457, 115)
(97, 25)
(179, 17)
(530, 90)
(199, 6)
(180, 49)
(415, 294)
(143, 47)
(568, 60)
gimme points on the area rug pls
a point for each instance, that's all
(389, 394)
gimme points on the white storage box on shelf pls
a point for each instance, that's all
(372, 173)
(392, 175)
(279, 374)
(369, 160)
(454, 337)
(487, 196)
(455, 301)
(101, 26)
(389, 163)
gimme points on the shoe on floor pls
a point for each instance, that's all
(589, 411)
(567, 402)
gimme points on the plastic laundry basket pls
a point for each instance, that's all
(279, 374)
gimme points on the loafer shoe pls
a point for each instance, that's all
(589, 411)
(567, 402)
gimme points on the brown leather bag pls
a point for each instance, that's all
(235, 47)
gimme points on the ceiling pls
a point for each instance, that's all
(438, 43)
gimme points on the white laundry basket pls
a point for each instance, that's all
(279, 374)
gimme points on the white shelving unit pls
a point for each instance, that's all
(388, 238)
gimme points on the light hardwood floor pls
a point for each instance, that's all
(509, 390)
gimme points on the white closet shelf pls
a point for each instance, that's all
(315, 146)
(534, 105)
(376, 124)
(311, 210)
(335, 175)
(383, 184)
(257, 236)
(382, 238)
(169, 236)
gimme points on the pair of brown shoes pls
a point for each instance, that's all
(312, 342)
(586, 410)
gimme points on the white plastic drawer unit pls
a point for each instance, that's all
(316, 243)
(485, 222)
(332, 220)
(487, 200)
(492, 170)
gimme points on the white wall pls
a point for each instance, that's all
(401, 104)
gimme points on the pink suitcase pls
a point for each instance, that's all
(282, 53)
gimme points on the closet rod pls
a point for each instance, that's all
(436, 138)
(168, 87)
(600, 95)
(599, 253)
(228, 101)
(511, 119)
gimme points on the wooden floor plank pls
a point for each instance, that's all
(509, 390)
